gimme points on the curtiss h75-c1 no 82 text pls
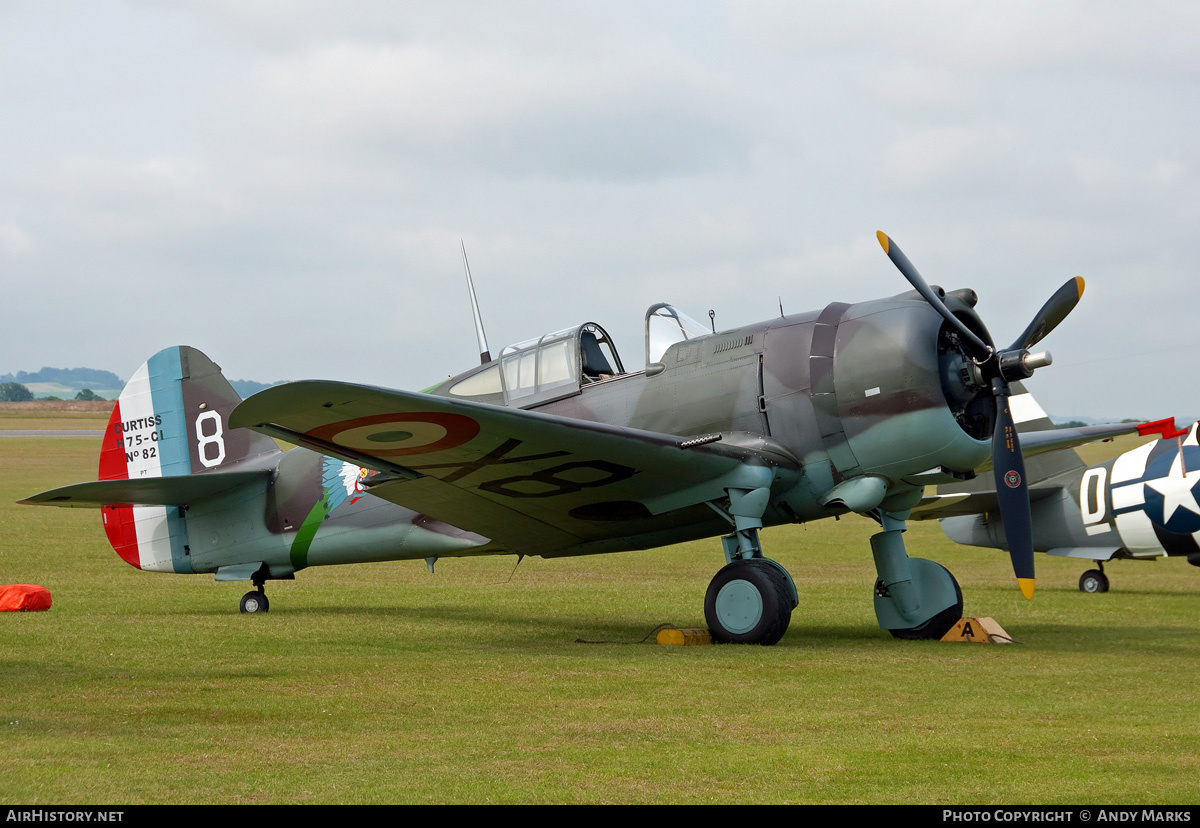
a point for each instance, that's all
(554, 448)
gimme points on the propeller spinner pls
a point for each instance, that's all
(996, 369)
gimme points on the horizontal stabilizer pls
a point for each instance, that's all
(178, 490)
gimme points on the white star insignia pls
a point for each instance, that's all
(1176, 489)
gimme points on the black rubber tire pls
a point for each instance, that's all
(772, 591)
(255, 601)
(940, 624)
(1093, 581)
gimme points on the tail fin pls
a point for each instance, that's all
(171, 420)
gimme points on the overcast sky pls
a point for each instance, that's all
(284, 184)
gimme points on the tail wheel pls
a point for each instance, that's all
(1093, 581)
(255, 601)
(748, 602)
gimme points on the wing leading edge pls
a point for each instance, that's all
(533, 483)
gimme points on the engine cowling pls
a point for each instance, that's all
(905, 395)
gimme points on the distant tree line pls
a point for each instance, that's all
(14, 389)
(16, 392)
(67, 376)
(245, 388)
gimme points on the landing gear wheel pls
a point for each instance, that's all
(938, 625)
(1093, 581)
(748, 602)
(255, 601)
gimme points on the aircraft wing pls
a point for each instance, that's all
(532, 483)
(1034, 443)
(1047, 473)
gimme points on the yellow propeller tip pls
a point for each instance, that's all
(883, 239)
(1079, 284)
(1026, 585)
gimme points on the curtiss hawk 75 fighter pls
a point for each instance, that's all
(555, 448)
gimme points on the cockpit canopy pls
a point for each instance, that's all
(562, 363)
(546, 368)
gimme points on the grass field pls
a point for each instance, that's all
(385, 684)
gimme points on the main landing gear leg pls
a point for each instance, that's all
(914, 598)
(750, 601)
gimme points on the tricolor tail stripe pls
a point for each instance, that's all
(147, 436)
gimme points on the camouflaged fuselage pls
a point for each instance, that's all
(843, 392)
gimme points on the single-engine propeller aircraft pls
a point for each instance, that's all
(553, 448)
(1140, 505)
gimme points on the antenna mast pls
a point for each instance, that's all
(485, 355)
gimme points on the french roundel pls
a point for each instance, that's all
(399, 435)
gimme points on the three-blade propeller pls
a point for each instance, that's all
(998, 368)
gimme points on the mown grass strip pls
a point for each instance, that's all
(383, 683)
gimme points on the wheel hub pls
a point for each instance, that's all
(739, 606)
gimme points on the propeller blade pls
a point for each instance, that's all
(1012, 493)
(982, 349)
(1054, 311)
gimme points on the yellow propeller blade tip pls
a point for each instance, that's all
(1079, 284)
(883, 239)
(1026, 585)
